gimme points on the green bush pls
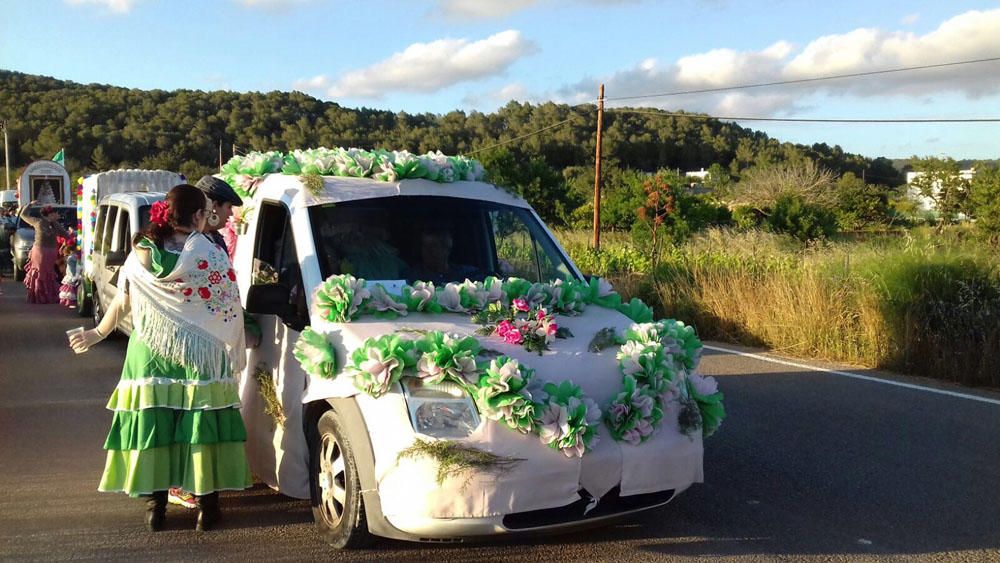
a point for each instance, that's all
(804, 221)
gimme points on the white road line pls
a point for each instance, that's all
(857, 376)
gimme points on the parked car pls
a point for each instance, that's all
(119, 217)
(24, 235)
(328, 438)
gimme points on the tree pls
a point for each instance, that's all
(657, 207)
(984, 199)
(860, 205)
(763, 185)
(939, 180)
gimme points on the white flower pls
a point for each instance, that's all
(604, 288)
(379, 369)
(593, 412)
(507, 371)
(643, 403)
(466, 369)
(428, 369)
(704, 385)
(382, 301)
(451, 299)
(423, 291)
(554, 423)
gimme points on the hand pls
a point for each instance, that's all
(82, 342)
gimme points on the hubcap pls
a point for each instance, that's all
(332, 480)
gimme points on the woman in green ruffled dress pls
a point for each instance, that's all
(176, 408)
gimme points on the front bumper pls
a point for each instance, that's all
(585, 513)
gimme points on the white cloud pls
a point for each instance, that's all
(495, 9)
(116, 6)
(910, 19)
(271, 4)
(494, 98)
(967, 36)
(481, 9)
(428, 67)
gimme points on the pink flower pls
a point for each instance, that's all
(521, 304)
(542, 313)
(513, 337)
(552, 329)
(505, 327)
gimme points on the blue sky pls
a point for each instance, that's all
(440, 55)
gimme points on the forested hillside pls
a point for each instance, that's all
(103, 127)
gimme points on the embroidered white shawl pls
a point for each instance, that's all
(192, 315)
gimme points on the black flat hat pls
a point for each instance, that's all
(218, 190)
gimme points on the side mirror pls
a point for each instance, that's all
(268, 299)
(115, 258)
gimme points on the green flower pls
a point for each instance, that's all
(315, 354)
(446, 356)
(567, 420)
(379, 362)
(636, 310)
(502, 394)
(709, 406)
(339, 298)
(634, 414)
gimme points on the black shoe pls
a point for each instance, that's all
(156, 510)
(209, 513)
(154, 521)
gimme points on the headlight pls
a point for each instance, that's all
(440, 410)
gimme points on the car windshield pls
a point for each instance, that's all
(437, 239)
(67, 216)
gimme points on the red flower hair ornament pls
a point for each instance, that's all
(159, 213)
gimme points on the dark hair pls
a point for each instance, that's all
(183, 201)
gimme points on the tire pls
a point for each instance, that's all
(83, 304)
(96, 309)
(334, 486)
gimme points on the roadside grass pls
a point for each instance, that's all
(912, 302)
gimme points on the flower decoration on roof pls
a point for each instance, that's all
(243, 172)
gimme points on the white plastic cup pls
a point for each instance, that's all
(69, 336)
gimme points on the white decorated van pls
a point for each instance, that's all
(433, 366)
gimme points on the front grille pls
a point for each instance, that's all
(610, 504)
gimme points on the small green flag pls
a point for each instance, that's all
(60, 158)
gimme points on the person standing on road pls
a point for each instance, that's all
(177, 421)
(41, 277)
(222, 198)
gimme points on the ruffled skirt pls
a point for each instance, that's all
(41, 278)
(173, 427)
(67, 293)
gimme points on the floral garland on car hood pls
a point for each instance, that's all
(658, 361)
(244, 172)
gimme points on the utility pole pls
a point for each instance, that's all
(597, 171)
(220, 155)
(6, 152)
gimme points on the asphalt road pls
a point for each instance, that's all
(808, 466)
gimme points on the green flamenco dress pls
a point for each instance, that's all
(173, 426)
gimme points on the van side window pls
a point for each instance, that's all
(109, 228)
(123, 237)
(275, 258)
(102, 216)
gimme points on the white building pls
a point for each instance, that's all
(925, 203)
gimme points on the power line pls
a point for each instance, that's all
(813, 120)
(518, 138)
(801, 80)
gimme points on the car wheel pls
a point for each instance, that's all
(338, 508)
(82, 301)
(95, 309)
